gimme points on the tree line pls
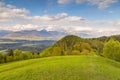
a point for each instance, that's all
(16, 55)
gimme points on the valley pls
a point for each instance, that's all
(25, 45)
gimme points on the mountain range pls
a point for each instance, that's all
(37, 34)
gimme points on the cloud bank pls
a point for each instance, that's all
(100, 3)
(9, 12)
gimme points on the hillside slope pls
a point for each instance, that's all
(69, 45)
(62, 68)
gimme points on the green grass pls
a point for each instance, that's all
(62, 68)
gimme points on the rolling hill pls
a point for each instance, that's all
(70, 45)
(62, 68)
(45, 35)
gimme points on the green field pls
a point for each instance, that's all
(62, 68)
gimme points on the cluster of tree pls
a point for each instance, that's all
(72, 45)
(16, 55)
(112, 50)
(69, 45)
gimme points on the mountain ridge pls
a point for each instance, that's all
(39, 34)
(34, 34)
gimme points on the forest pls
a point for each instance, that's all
(106, 46)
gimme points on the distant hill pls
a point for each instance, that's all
(42, 34)
(69, 45)
(48, 35)
(106, 38)
(4, 32)
(62, 68)
(35, 34)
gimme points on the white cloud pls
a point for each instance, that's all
(117, 23)
(100, 3)
(20, 27)
(50, 17)
(75, 30)
(25, 27)
(64, 1)
(75, 19)
(60, 17)
(57, 17)
(9, 12)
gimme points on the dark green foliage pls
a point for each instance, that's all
(10, 52)
(1, 58)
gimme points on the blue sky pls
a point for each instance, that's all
(87, 10)
(91, 16)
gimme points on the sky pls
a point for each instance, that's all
(96, 17)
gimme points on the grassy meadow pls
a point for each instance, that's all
(62, 68)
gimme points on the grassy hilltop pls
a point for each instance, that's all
(62, 68)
